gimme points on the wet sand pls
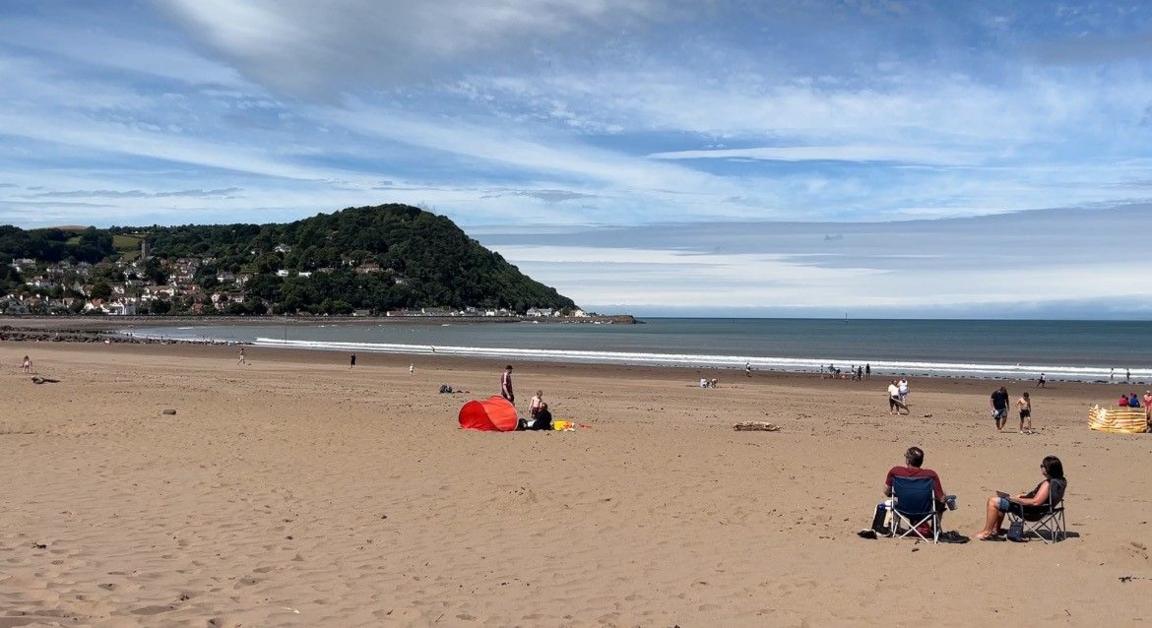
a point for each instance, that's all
(297, 491)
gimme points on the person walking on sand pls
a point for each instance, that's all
(506, 385)
(352, 360)
(26, 365)
(1025, 405)
(1000, 407)
(894, 403)
(243, 358)
(902, 385)
(747, 369)
(868, 371)
(1042, 382)
(411, 369)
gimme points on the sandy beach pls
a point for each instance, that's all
(297, 491)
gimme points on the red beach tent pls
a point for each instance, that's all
(494, 414)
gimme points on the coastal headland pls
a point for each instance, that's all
(298, 491)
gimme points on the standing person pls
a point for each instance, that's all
(506, 384)
(1042, 382)
(1148, 407)
(859, 373)
(26, 365)
(1112, 374)
(411, 369)
(902, 386)
(1000, 407)
(894, 403)
(1025, 404)
(536, 403)
(747, 369)
(243, 358)
(352, 360)
(1127, 375)
(868, 370)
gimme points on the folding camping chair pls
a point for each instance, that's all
(1037, 520)
(913, 505)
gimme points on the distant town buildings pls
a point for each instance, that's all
(189, 285)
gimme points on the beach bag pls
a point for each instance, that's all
(1016, 531)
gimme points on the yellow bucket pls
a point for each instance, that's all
(562, 425)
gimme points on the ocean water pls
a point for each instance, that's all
(1068, 350)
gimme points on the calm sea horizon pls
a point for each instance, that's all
(1062, 349)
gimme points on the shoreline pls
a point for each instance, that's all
(103, 331)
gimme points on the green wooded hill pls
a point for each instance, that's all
(380, 258)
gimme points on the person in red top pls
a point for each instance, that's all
(506, 384)
(1123, 403)
(913, 468)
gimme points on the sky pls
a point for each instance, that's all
(676, 157)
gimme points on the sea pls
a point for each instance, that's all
(1100, 351)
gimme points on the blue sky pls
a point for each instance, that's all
(591, 142)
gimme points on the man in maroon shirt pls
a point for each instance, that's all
(506, 384)
(913, 461)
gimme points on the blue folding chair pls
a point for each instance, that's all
(913, 505)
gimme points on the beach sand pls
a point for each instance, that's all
(297, 491)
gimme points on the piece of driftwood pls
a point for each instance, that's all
(756, 426)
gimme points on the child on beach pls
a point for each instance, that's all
(352, 360)
(26, 366)
(243, 358)
(1025, 404)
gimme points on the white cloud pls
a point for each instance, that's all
(309, 47)
(906, 154)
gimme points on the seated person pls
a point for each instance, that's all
(913, 461)
(542, 419)
(1036, 499)
(1123, 403)
(1133, 401)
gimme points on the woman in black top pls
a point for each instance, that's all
(1049, 491)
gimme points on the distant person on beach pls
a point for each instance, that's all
(1123, 403)
(1042, 382)
(859, 373)
(999, 504)
(1127, 375)
(1000, 407)
(1148, 406)
(1112, 374)
(748, 369)
(913, 468)
(868, 370)
(26, 365)
(1133, 401)
(894, 403)
(243, 358)
(902, 385)
(506, 384)
(352, 360)
(411, 369)
(1025, 405)
(535, 403)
